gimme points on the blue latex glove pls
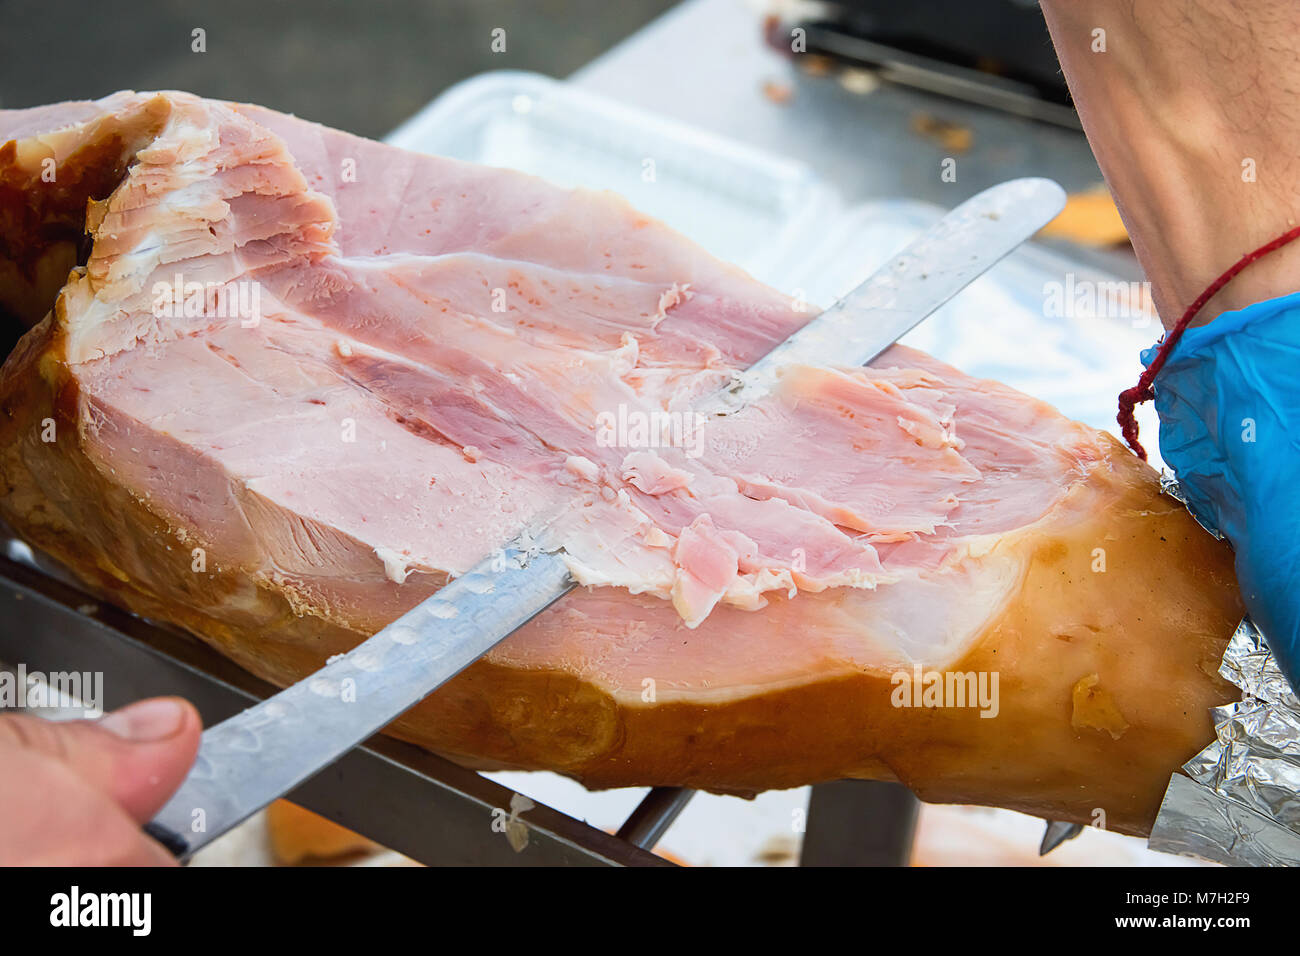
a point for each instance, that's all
(1229, 404)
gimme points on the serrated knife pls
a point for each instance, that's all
(264, 752)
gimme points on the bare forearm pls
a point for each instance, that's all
(1193, 111)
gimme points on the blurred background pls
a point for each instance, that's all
(359, 66)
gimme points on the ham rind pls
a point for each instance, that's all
(301, 379)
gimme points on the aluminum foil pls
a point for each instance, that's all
(1239, 803)
(1250, 665)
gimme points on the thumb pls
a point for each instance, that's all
(137, 755)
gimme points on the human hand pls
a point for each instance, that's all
(1229, 404)
(76, 793)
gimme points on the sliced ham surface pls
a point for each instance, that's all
(301, 379)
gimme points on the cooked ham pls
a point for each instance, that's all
(302, 379)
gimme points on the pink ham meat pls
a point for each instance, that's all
(301, 379)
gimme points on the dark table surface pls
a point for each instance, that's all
(359, 65)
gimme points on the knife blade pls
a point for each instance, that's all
(937, 265)
(264, 752)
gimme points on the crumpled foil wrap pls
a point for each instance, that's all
(1240, 801)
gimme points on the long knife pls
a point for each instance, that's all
(264, 752)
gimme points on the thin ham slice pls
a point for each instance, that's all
(386, 365)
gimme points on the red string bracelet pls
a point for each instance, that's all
(1130, 398)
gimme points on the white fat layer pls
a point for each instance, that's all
(396, 567)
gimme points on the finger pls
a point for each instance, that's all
(51, 816)
(137, 756)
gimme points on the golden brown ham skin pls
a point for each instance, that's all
(1072, 647)
(42, 219)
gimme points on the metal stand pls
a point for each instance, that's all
(859, 823)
